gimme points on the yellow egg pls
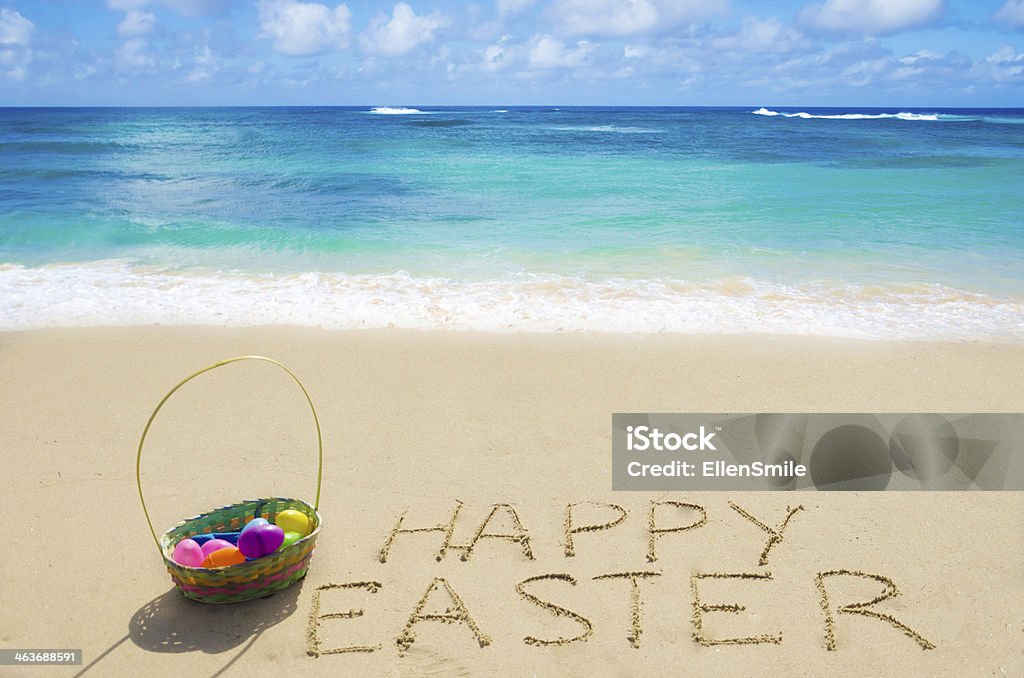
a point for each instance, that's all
(291, 520)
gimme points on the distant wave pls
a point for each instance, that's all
(500, 110)
(852, 116)
(388, 110)
(114, 292)
(1005, 121)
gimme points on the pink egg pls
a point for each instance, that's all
(215, 545)
(188, 553)
(260, 540)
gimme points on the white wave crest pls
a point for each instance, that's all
(388, 110)
(850, 116)
(117, 293)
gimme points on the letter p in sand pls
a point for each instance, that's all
(656, 532)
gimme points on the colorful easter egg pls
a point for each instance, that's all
(224, 557)
(289, 539)
(215, 545)
(188, 553)
(255, 522)
(260, 540)
(291, 520)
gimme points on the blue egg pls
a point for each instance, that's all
(253, 523)
(226, 536)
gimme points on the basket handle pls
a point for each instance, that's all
(222, 363)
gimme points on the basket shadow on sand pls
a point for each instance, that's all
(172, 623)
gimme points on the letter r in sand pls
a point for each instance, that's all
(890, 591)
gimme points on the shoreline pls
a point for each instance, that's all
(114, 293)
(665, 340)
(662, 341)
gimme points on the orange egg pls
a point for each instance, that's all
(224, 557)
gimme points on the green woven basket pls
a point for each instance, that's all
(251, 579)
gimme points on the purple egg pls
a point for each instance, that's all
(215, 545)
(260, 540)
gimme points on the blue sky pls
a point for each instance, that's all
(584, 52)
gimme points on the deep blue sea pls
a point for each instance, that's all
(873, 223)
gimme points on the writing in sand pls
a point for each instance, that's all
(840, 591)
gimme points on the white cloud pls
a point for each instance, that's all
(763, 36)
(921, 56)
(507, 11)
(136, 23)
(870, 17)
(1012, 13)
(402, 33)
(1004, 54)
(205, 64)
(864, 73)
(83, 71)
(15, 35)
(301, 28)
(541, 53)
(547, 52)
(1005, 63)
(869, 66)
(14, 28)
(134, 55)
(630, 17)
(500, 55)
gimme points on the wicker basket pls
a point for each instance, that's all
(251, 579)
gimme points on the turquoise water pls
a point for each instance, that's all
(867, 223)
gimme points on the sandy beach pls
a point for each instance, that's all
(415, 423)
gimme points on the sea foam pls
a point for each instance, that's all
(851, 116)
(387, 110)
(115, 292)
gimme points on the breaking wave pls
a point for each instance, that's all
(387, 110)
(855, 116)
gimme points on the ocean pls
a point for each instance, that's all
(896, 223)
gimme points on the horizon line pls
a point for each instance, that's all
(499, 105)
